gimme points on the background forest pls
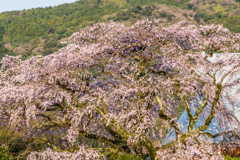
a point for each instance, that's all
(40, 31)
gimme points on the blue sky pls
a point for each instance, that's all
(10, 5)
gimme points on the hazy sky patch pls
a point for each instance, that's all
(10, 5)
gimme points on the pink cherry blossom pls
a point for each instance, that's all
(112, 82)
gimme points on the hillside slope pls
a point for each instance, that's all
(38, 31)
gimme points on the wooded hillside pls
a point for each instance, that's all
(39, 31)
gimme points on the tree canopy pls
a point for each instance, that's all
(111, 82)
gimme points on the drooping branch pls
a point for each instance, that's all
(117, 76)
(55, 124)
(197, 114)
(186, 105)
(65, 87)
(120, 131)
(109, 128)
(114, 143)
(45, 142)
(165, 117)
(57, 106)
(150, 148)
(228, 73)
(219, 134)
(212, 113)
(164, 73)
(52, 145)
(144, 62)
